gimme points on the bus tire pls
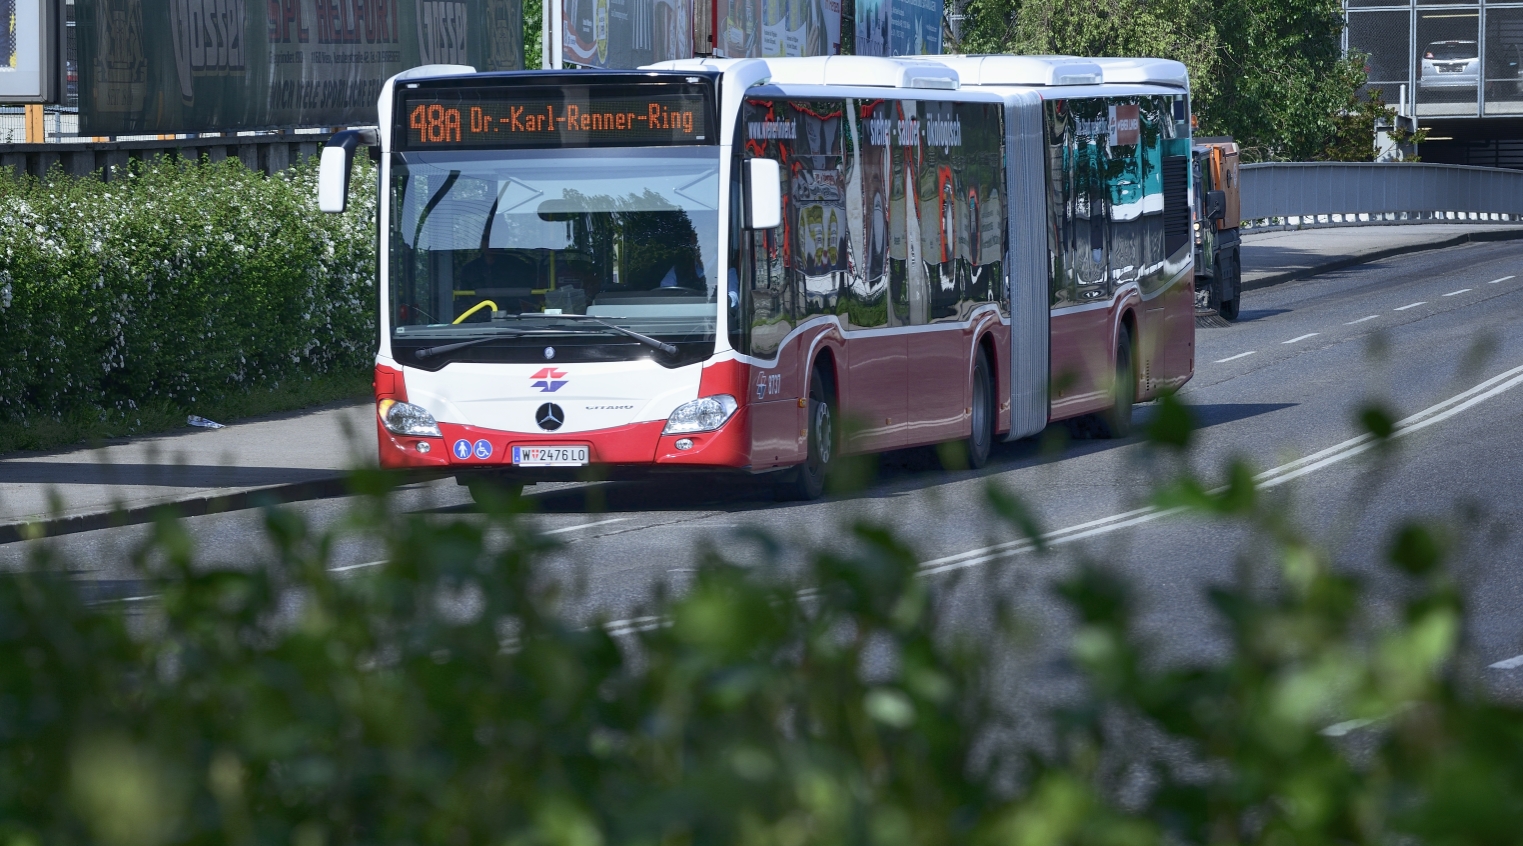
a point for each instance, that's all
(807, 481)
(1116, 421)
(980, 442)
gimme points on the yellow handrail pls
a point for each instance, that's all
(475, 308)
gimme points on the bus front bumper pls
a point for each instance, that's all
(635, 447)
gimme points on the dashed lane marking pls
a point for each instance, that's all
(1302, 338)
(1235, 357)
(581, 526)
(1361, 320)
(347, 567)
(1275, 477)
(1510, 664)
(1413, 305)
(1457, 293)
(1495, 281)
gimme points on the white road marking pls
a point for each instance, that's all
(1271, 478)
(1361, 320)
(585, 526)
(347, 567)
(1235, 357)
(624, 628)
(1413, 305)
(1302, 338)
(1457, 293)
(1495, 281)
(1340, 729)
(1510, 664)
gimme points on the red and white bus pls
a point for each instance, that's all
(763, 265)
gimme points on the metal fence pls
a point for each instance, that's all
(267, 153)
(1308, 194)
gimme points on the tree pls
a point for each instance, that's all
(1270, 73)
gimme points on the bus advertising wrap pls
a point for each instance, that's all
(898, 27)
(162, 66)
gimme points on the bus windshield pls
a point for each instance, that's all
(486, 239)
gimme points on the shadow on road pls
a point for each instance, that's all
(889, 474)
(154, 475)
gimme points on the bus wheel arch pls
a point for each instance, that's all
(1116, 421)
(990, 351)
(973, 452)
(822, 429)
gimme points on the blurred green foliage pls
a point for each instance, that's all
(820, 696)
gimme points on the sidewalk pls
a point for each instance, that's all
(304, 455)
(1270, 258)
(301, 455)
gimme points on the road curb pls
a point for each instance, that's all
(1376, 255)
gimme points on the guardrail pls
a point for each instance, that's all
(268, 153)
(1295, 195)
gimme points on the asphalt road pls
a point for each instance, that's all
(1411, 334)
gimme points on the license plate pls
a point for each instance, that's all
(549, 456)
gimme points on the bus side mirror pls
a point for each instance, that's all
(764, 194)
(1216, 205)
(334, 166)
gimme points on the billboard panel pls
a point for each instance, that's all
(29, 50)
(165, 66)
(626, 33)
(631, 33)
(898, 27)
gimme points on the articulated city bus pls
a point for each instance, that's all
(763, 265)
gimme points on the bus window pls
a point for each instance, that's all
(738, 275)
(817, 189)
(1153, 112)
(907, 286)
(962, 165)
(864, 292)
(770, 131)
(545, 232)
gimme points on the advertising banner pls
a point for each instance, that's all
(898, 27)
(631, 33)
(626, 33)
(163, 66)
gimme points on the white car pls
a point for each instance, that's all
(1448, 65)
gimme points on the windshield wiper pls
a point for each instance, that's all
(628, 333)
(430, 352)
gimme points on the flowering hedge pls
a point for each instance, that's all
(175, 282)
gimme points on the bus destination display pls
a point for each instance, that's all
(471, 119)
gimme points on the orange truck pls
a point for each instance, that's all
(1218, 248)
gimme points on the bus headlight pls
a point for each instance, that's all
(404, 418)
(704, 414)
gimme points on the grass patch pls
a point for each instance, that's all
(92, 426)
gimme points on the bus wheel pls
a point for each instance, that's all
(1116, 421)
(807, 481)
(980, 442)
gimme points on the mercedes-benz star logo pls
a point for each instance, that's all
(549, 353)
(549, 417)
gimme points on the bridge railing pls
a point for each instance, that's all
(1294, 195)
